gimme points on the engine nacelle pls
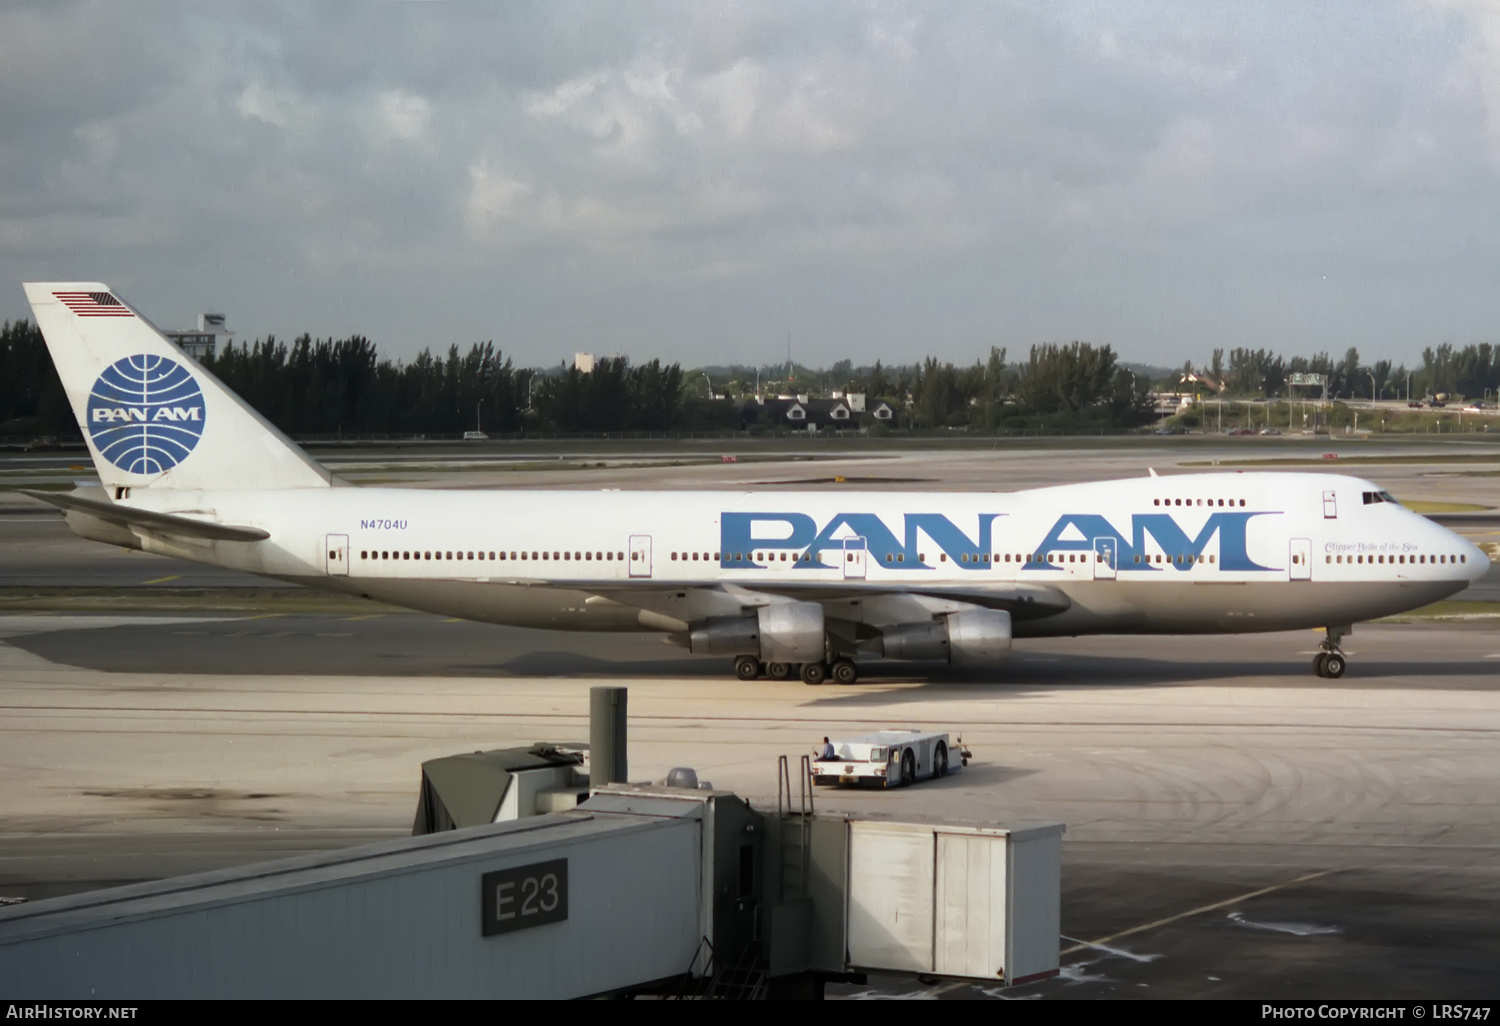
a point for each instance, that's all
(791, 632)
(915, 641)
(785, 632)
(726, 635)
(979, 637)
(975, 637)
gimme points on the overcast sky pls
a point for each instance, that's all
(703, 181)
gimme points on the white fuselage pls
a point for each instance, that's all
(1207, 553)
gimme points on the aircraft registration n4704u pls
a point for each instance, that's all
(780, 583)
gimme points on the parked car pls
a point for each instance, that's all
(1242, 431)
(1270, 431)
(1414, 405)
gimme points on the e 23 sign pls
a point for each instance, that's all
(523, 897)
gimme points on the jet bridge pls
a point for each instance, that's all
(640, 889)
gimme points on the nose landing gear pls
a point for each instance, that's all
(1331, 662)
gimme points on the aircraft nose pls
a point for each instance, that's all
(1479, 560)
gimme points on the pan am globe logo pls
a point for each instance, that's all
(145, 414)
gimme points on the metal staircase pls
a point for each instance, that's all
(795, 833)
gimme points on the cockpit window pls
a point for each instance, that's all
(1374, 497)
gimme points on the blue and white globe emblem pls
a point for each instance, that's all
(145, 414)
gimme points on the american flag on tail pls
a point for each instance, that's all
(93, 304)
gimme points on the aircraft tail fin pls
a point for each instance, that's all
(152, 415)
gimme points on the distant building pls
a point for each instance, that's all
(583, 363)
(204, 342)
(799, 411)
(1202, 378)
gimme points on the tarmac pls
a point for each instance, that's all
(1236, 826)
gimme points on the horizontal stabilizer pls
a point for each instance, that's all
(148, 520)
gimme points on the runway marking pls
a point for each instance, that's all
(1085, 945)
(455, 619)
(264, 616)
(1102, 941)
(163, 580)
(365, 616)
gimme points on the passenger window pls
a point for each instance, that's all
(901, 557)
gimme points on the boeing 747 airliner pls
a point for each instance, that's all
(781, 583)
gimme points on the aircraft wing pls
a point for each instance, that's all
(170, 524)
(1022, 601)
(684, 603)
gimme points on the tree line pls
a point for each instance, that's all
(331, 387)
(1445, 369)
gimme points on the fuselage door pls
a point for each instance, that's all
(337, 555)
(1301, 560)
(855, 551)
(640, 555)
(1106, 558)
(1330, 505)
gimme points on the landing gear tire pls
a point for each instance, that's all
(778, 671)
(843, 671)
(747, 667)
(1331, 662)
(814, 673)
(940, 761)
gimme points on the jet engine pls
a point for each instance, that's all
(974, 637)
(783, 632)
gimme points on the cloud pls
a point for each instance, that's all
(883, 180)
(404, 115)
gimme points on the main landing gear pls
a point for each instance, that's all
(1331, 662)
(842, 671)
